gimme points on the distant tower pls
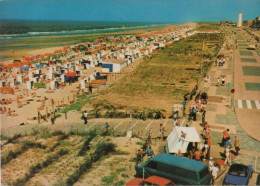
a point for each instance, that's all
(239, 23)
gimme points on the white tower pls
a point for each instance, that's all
(239, 23)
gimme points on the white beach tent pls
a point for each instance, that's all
(180, 137)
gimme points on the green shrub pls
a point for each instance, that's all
(25, 145)
(57, 116)
(3, 138)
(46, 136)
(109, 179)
(14, 138)
(63, 137)
(57, 133)
(85, 146)
(39, 166)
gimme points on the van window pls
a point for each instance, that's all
(192, 175)
(152, 164)
(204, 172)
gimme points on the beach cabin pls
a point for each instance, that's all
(114, 65)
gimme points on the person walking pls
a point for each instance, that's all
(52, 118)
(106, 127)
(150, 152)
(236, 145)
(223, 80)
(225, 135)
(214, 173)
(228, 155)
(197, 155)
(85, 117)
(161, 131)
(218, 81)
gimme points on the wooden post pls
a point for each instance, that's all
(65, 115)
(39, 119)
(46, 111)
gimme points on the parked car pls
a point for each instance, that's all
(151, 181)
(238, 174)
(179, 169)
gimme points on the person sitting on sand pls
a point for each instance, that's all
(9, 112)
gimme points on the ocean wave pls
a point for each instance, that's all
(69, 32)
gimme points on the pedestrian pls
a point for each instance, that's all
(228, 155)
(190, 150)
(225, 135)
(52, 118)
(179, 153)
(211, 164)
(150, 152)
(223, 80)
(218, 81)
(197, 155)
(228, 143)
(209, 145)
(85, 117)
(161, 131)
(141, 153)
(214, 173)
(106, 126)
(203, 117)
(236, 145)
(194, 112)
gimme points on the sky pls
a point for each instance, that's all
(130, 10)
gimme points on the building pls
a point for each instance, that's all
(114, 65)
(256, 23)
(239, 23)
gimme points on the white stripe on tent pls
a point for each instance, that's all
(248, 102)
(134, 124)
(257, 104)
(239, 103)
(118, 124)
(148, 125)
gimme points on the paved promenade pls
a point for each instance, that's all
(239, 112)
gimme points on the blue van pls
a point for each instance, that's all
(181, 170)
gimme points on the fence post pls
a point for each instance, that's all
(65, 115)
(39, 115)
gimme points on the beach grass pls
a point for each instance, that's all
(171, 72)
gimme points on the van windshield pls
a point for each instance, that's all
(204, 172)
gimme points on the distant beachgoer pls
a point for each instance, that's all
(228, 155)
(52, 118)
(236, 145)
(197, 155)
(223, 81)
(161, 131)
(150, 152)
(215, 170)
(218, 81)
(106, 126)
(179, 153)
(85, 117)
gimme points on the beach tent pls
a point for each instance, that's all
(179, 139)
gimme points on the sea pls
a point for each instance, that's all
(25, 28)
(12, 30)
